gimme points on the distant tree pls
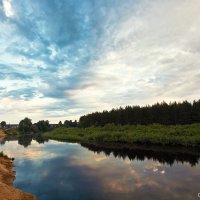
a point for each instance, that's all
(60, 123)
(196, 112)
(25, 125)
(43, 125)
(70, 123)
(3, 124)
(75, 123)
(67, 123)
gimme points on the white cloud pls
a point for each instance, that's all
(144, 52)
(151, 55)
(20, 109)
(8, 8)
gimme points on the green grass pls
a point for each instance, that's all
(11, 131)
(185, 135)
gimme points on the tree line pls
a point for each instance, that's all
(162, 113)
(26, 126)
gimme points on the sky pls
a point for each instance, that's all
(63, 59)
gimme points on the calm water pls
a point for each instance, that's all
(58, 171)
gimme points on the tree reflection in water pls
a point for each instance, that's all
(163, 154)
(25, 140)
(166, 155)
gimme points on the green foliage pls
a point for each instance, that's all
(42, 126)
(11, 131)
(60, 123)
(3, 124)
(70, 123)
(185, 135)
(162, 113)
(25, 125)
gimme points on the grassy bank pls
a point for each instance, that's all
(11, 131)
(2, 133)
(184, 135)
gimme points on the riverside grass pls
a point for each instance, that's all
(184, 135)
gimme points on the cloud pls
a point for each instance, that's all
(8, 8)
(153, 57)
(86, 55)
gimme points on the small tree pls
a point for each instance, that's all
(70, 123)
(3, 124)
(25, 125)
(67, 123)
(60, 123)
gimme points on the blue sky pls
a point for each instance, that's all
(62, 59)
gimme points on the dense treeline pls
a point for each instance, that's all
(162, 113)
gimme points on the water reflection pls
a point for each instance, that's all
(25, 140)
(58, 170)
(164, 155)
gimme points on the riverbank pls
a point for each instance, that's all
(174, 135)
(12, 131)
(2, 134)
(7, 176)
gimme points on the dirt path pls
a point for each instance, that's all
(7, 176)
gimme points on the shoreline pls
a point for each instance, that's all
(2, 134)
(155, 134)
(7, 176)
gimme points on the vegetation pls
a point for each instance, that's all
(25, 125)
(70, 123)
(3, 155)
(11, 131)
(162, 113)
(161, 123)
(60, 123)
(42, 126)
(185, 135)
(3, 124)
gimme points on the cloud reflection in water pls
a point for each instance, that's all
(57, 170)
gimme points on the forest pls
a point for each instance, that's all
(161, 113)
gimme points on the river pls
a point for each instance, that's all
(54, 170)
